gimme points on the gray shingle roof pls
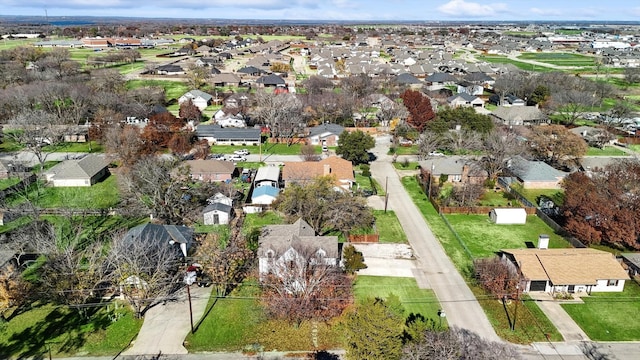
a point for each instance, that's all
(230, 133)
(160, 233)
(217, 206)
(280, 238)
(84, 168)
(324, 128)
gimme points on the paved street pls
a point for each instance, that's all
(460, 305)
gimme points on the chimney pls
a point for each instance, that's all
(327, 170)
(543, 241)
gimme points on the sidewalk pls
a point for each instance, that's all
(166, 326)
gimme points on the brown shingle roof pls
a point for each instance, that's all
(568, 266)
(210, 166)
(307, 170)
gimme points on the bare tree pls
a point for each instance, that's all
(462, 141)
(499, 147)
(123, 143)
(308, 153)
(457, 344)
(281, 112)
(144, 269)
(303, 284)
(197, 76)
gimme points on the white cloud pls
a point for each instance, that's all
(546, 12)
(461, 8)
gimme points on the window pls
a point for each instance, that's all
(612, 283)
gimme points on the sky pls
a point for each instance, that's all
(388, 10)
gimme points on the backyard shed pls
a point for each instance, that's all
(508, 216)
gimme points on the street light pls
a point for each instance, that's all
(189, 279)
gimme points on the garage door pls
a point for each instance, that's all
(538, 286)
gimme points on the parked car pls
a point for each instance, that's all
(217, 156)
(405, 142)
(436, 153)
(325, 148)
(242, 152)
(236, 158)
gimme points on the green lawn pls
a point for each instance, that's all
(496, 198)
(32, 332)
(102, 195)
(173, 89)
(483, 238)
(6, 183)
(635, 148)
(406, 165)
(560, 59)
(499, 59)
(404, 150)
(259, 220)
(413, 299)
(228, 323)
(609, 316)
(606, 151)
(557, 195)
(389, 227)
(86, 147)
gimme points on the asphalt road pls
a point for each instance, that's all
(458, 302)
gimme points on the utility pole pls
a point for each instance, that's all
(515, 312)
(386, 193)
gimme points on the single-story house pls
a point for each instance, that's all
(225, 79)
(211, 170)
(466, 100)
(267, 176)
(631, 262)
(409, 80)
(536, 174)
(305, 171)
(216, 134)
(281, 244)
(508, 216)
(568, 270)
(325, 134)
(78, 172)
(264, 195)
(199, 98)
(439, 80)
(519, 115)
(270, 80)
(169, 70)
(171, 234)
(217, 213)
(457, 169)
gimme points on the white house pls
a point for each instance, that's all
(78, 172)
(199, 98)
(508, 216)
(568, 270)
(264, 195)
(285, 246)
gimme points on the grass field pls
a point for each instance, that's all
(228, 323)
(557, 195)
(406, 165)
(496, 198)
(606, 151)
(498, 59)
(413, 299)
(559, 59)
(173, 89)
(609, 316)
(404, 150)
(484, 238)
(32, 333)
(102, 195)
(389, 227)
(86, 147)
(6, 44)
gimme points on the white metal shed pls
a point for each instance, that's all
(508, 216)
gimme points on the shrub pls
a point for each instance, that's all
(366, 170)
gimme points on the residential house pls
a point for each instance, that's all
(465, 100)
(217, 213)
(283, 246)
(302, 172)
(568, 270)
(325, 134)
(270, 80)
(171, 234)
(596, 137)
(470, 88)
(264, 195)
(225, 79)
(631, 262)
(220, 198)
(212, 170)
(456, 169)
(216, 134)
(199, 98)
(170, 70)
(267, 176)
(78, 172)
(519, 115)
(535, 174)
(439, 80)
(409, 80)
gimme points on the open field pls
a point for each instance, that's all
(557, 195)
(64, 331)
(606, 316)
(484, 238)
(413, 299)
(173, 89)
(606, 151)
(499, 59)
(559, 59)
